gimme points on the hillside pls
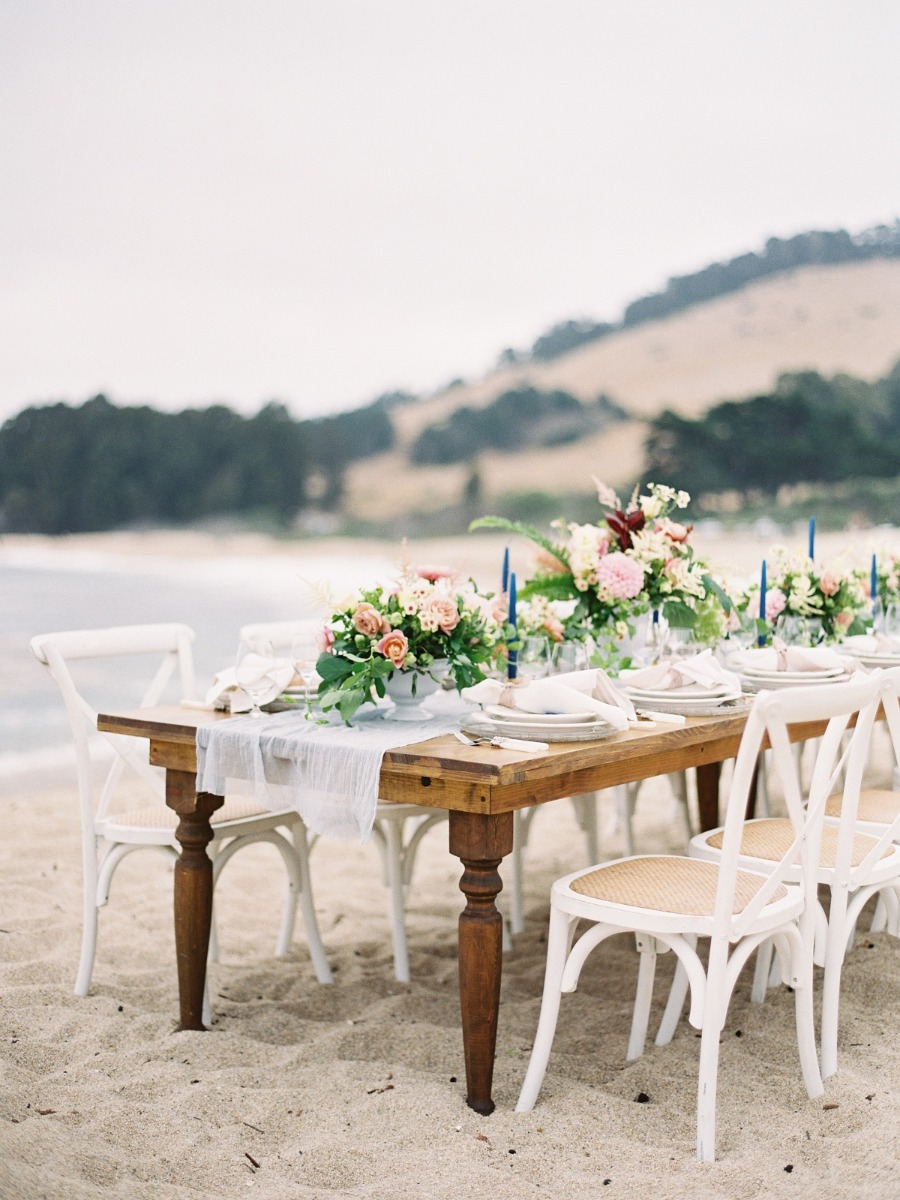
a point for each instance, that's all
(833, 319)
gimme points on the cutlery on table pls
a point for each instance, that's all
(501, 743)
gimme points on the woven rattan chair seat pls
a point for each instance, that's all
(770, 840)
(875, 804)
(159, 816)
(666, 883)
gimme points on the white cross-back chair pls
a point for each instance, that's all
(398, 829)
(670, 902)
(114, 825)
(854, 866)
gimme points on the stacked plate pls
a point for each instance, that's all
(757, 679)
(864, 648)
(693, 699)
(540, 727)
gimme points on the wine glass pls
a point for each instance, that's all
(534, 657)
(253, 670)
(569, 656)
(304, 653)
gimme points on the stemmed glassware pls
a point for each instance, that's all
(254, 665)
(304, 654)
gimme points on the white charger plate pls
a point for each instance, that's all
(691, 691)
(817, 673)
(517, 717)
(757, 684)
(480, 724)
(694, 706)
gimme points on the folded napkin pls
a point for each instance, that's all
(781, 657)
(672, 673)
(573, 692)
(874, 643)
(226, 693)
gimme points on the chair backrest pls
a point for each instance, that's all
(172, 642)
(850, 706)
(282, 633)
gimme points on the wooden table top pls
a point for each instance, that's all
(441, 772)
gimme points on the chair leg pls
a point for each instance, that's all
(647, 948)
(679, 784)
(307, 910)
(626, 798)
(706, 1091)
(585, 805)
(516, 873)
(831, 983)
(675, 1003)
(762, 972)
(557, 952)
(394, 864)
(88, 947)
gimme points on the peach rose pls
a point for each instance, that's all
(844, 619)
(830, 584)
(394, 645)
(369, 621)
(439, 612)
(675, 531)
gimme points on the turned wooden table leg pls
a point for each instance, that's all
(193, 890)
(481, 842)
(708, 775)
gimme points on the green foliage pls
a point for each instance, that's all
(809, 430)
(517, 418)
(66, 469)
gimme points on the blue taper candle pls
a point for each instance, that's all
(512, 663)
(812, 537)
(761, 640)
(504, 578)
(874, 583)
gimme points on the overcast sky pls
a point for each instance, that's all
(317, 201)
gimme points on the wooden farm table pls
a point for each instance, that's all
(481, 787)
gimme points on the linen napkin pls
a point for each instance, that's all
(874, 643)
(572, 692)
(672, 673)
(226, 693)
(781, 657)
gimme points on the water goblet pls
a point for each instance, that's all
(253, 670)
(304, 654)
(568, 656)
(534, 657)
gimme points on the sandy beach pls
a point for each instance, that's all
(357, 1089)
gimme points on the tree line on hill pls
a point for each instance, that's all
(74, 469)
(821, 248)
(807, 430)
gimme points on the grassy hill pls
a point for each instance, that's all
(833, 319)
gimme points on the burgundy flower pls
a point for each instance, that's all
(625, 524)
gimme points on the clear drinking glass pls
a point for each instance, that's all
(569, 656)
(253, 669)
(304, 654)
(534, 657)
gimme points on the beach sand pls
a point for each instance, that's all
(357, 1089)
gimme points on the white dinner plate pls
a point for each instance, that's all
(691, 691)
(697, 706)
(756, 683)
(500, 713)
(577, 731)
(817, 673)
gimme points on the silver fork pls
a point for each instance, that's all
(501, 743)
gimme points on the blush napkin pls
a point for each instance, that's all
(573, 692)
(700, 670)
(781, 657)
(225, 692)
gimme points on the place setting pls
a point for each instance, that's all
(781, 665)
(696, 686)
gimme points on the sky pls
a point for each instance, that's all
(318, 201)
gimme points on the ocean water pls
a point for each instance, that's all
(42, 592)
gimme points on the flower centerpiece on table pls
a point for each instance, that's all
(424, 622)
(887, 579)
(829, 602)
(638, 558)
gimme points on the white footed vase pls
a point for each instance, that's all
(407, 690)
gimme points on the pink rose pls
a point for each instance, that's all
(394, 646)
(439, 612)
(830, 584)
(619, 577)
(434, 573)
(325, 640)
(675, 531)
(553, 627)
(844, 619)
(369, 621)
(775, 602)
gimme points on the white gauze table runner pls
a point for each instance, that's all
(328, 772)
